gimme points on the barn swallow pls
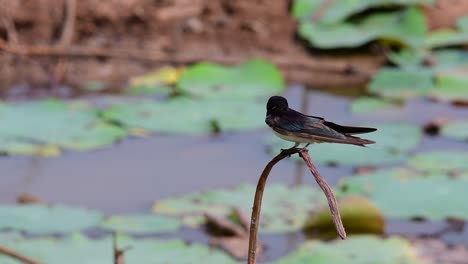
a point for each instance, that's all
(296, 127)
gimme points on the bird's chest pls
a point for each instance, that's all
(295, 139)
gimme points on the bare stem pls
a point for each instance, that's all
(332, 203)
(255, 219)
(18, 256)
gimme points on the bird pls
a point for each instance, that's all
(291, 125)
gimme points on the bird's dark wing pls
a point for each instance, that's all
(349, 130)
(296, 122)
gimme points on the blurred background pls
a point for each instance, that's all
(146, 118)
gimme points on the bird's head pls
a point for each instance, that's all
(276, 104)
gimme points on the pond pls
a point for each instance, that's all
(129, 176)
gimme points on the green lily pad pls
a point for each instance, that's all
(451, 87)
(401, 193)
(407, 28)
(440, 161)
(79, 249)
(355, 250)
(29, 128)
(456, 130)
(255, 78)
(340, 10)
(394, 141)
(186, 116)
(401, 84)
(283, 209)
(359, 216)
(370, 105)
(142, 223)
(449, 37)
(157, 82)
(44, 219)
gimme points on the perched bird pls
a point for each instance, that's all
(296, 127)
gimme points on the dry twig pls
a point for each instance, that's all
(18, 256)
(255, 219)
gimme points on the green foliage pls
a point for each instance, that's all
(338, 11)
(359, 216)
(78, 249)
(401, 193)
(250, 80)
(400, 84)
(407, 28)
(186, 116)
(44, 126)
(141, 224)
(355, 250)
(440, 161)
(370, 105)
(449, 37)
(44, 219)
(283, 209)
(456, 129)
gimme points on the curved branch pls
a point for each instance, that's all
(332, 203)
(255, 219)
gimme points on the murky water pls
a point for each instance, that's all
(131, 175)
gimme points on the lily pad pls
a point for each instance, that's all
(451, 87)
(440, 161)
(401, 193)
(407, 28)
(355, 250)
(359, 216)
(79, 249)
(339, 11)
(157, 82)
(283, 209)
(370, 105)
(44, 126)
(449, 37)
(401, 84)
(255, 78)
(142, 224)
(44, 219)
(186, 116)
(394, 141)
(456, 130)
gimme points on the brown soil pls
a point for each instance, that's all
(48, 42)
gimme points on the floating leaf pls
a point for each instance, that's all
(449, 37)
(398, 84)
(456, 129)
(400, 193)
(359, 216)
(44, 219)
(283, 209)
(450, 160)
(141, 223)
(394, 140)
(355, 250)
(187, 116)
(155, 82)
(43, 126)
(255, 78)
(451, 87)
(78, 249)
(407, 27)
(339, 11)
(370, 105)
